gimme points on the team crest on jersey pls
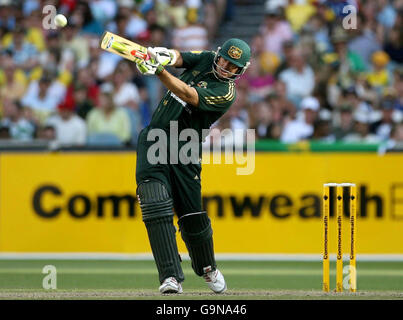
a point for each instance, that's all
(195, 73)
(202, 84)
(235, 52)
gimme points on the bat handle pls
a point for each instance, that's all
(141, 55)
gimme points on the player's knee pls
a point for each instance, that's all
(195, 228)
(155, 201)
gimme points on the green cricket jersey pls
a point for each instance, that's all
(215, 96)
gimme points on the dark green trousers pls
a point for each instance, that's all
(182, 181)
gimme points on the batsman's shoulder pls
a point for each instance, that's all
(224, 93)
(193, 58)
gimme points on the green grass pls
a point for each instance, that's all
(93, 279)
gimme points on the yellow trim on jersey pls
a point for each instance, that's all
(230, 92)
(222, 99)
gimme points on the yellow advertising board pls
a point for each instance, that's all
(86, 202)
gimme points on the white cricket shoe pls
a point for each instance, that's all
(171, 285)
(215, 280)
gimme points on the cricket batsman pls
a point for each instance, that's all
(195, 100)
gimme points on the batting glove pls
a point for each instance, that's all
(163, 55)
(149, 67)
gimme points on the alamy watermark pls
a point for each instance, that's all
(347, 281)
(50, 280)
(48, 22)
(350, 20)
(184, 147)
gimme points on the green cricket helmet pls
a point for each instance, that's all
(235, 51)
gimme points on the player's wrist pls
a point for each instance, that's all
(159, 70)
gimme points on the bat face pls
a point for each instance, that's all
(123, 47)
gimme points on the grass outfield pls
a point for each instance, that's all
(117, 279)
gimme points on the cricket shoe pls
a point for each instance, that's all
(171, 285)
(215, 280)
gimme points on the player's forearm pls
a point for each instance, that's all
(179, 88)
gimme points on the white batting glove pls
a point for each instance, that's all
(162, 55)
(149, 67)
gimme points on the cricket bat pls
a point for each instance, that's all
(125, 48)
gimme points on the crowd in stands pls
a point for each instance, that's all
(310, 77)
(326, 72)
(57, 84)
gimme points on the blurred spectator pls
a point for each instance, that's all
(261, 119)
(379, 77)
(299, 78)
(171, 13)
(389, 116)
(347, 59)
(345, 123)
(150, 17)
(322, 127)
(303, 128)
(70, 128)
(135, 23)
(337, 6)
(260, 83)
(257, 45)
(298, 12)
(34, 30)
(212, 16)
(157, 38)
(54, 59)
(13, 81)
(127, 96)
(120, 25)
(73, 41)
(4, 133)
(351, 97)
(104, 65)
(268, 117)
(387, 14)
(43, 96)
(83, 16)
(288, 50)
(279, 97)
(7, 18)
(50, 59)
(19, 127)
(317, 25)
(364, 41)
(237, 116)
(361, 130)
(95, 53)
(46, 132)
(394, 45)
(108, 124)
(269, 62)
(397, 133)
(192, 36)
(398, 87)
(86, 78)
(125, 93)
(103, 10)
(24, 54)
(83, 104)
(275, 31)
